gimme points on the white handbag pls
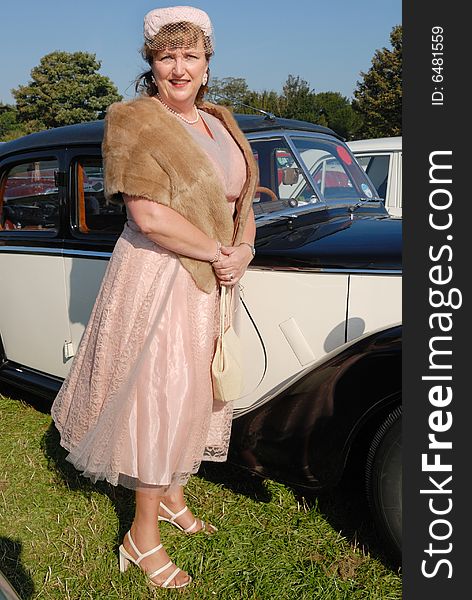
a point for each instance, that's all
(226, 368)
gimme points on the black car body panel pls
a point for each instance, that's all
(325, 239)
(303, 435)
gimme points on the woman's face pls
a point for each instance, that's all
(179, 73)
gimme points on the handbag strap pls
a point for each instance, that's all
(224, 293)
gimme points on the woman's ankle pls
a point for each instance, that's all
(144, 533)
(175, 498)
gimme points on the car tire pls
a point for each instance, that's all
(384, 481)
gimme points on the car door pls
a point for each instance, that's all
(94, 225)
(34, 325)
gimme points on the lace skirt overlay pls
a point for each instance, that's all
(137, 406)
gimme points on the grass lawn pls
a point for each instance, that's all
(59, 535)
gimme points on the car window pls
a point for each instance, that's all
(334, 171)
(282, 182)
(29, 199)
(377, 168)
(94, 212)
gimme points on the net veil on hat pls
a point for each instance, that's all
(159, 18)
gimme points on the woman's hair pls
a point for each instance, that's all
(174, 35)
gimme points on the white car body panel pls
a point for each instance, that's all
(35, 294)
(83, 277)
(299, 316)
(374, 302)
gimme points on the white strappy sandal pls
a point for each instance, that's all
(126, 558)
(205, 527)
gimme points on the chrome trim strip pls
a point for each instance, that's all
(97, 254)
(88, 253)
(328, 270)
(30, 250)
(54, 251)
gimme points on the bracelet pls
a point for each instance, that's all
(218, 253)
(253, 250)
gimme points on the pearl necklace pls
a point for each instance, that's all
(174, 112)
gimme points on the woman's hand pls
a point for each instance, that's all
(232, 264)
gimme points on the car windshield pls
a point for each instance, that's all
(319, 174)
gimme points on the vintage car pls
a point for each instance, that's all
(381, 159)
(320, 317)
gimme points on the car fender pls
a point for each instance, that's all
(303, 434)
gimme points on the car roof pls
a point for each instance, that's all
(376, 144)
(92, 132)
(253, 123)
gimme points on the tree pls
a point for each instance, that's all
(228, 90)
(378, 98)
(337, 113)
(266, 100)
(9, 126)
(65, 88)
(298, 100)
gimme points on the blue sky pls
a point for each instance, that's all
(328, 43)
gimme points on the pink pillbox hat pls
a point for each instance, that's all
(157, 18)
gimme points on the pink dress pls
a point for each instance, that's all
(137, 406)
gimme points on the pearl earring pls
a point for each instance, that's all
(205, 79)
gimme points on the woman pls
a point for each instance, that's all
(137, 407)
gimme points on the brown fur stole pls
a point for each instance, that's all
(148, 153)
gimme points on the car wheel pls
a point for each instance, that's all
(384, 481)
